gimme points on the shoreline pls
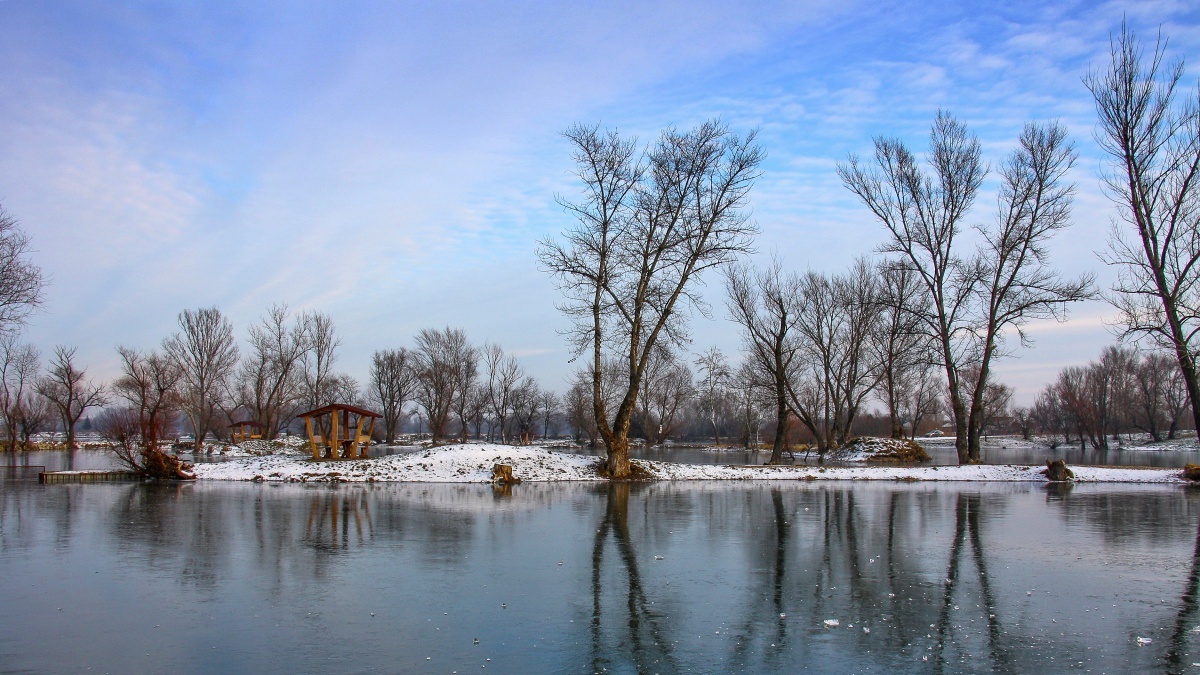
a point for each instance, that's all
(473, 463)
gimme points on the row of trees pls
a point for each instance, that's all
(1123, 392)
(651, 221)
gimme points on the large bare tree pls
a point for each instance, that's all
(19, 365)
(834, 320)
(320, 384)
(974, 298)
(712, 388)
(393, 381)
(205, 350)
(446, 364)
(20, 280)
(65, 386)
(503, 374)
(903, 350)
(269, 382)
(1154, 179)
(763, 303)
(648, 226)
(150, 383)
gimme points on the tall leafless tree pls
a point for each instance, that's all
(712, 388)
(205, 350)
(902, 349)
(503, 374)
(974, 299)
(647, 227)
(269, 382)
(834, 320)
(526, 409)
(21, 281)
(550, 412)
(393, 382)
(446, 363)
(666, 389)
(65, 386)
(19, 365)
(150, 383)
(763, 304)
(1154, 180)
(316, 362)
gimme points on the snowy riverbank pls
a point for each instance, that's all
(473, 464)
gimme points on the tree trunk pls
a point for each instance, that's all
(618, 457)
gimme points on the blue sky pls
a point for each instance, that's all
(393, 164)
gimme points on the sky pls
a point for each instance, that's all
(394, 164)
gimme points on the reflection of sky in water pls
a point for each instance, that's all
(571, 577)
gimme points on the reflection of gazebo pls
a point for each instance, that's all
(246, 430)
(335, 431)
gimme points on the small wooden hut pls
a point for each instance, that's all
(246, 430)
(336, 431)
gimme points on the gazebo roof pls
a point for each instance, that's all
(245, 423)
(338, 407)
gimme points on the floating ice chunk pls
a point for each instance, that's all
(1144, 641)
(832, 623)
(658, 557)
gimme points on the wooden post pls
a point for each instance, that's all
(358, 454)
(312, 441)
(334, 436)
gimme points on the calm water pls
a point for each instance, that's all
(573, 578)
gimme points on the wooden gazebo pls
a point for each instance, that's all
(336, 431)
(246, 430)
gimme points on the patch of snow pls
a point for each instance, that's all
(473, 464)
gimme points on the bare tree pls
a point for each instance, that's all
(65, 387)
(526, 406)
(972, 299)
(269, 382)
(207, 355)
(763, 304)
(19, 365)
(751, 397)
(20, 280)
(150, 383)
(666, 389)
(550, 410)
(902, 349)
(834, 319)
(579, 410)
(37, 414)
(1154, 179)
(446, 364)
(393, 382)
(317, 360)
(503, 374)
(647, 227)
(712, 388)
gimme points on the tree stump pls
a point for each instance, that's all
(1056, 471)
(1191, 472)
(502, 473)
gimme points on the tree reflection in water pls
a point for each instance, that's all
(950, 626)
(648, 647)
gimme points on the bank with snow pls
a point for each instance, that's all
(473, 464)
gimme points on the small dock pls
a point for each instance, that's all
(49, 477)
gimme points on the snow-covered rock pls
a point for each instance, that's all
(879, 450)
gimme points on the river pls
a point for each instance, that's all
(665, 577)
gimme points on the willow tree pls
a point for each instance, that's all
(648, 224)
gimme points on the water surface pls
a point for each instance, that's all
(663, 577)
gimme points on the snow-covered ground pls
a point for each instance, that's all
(473, 464)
